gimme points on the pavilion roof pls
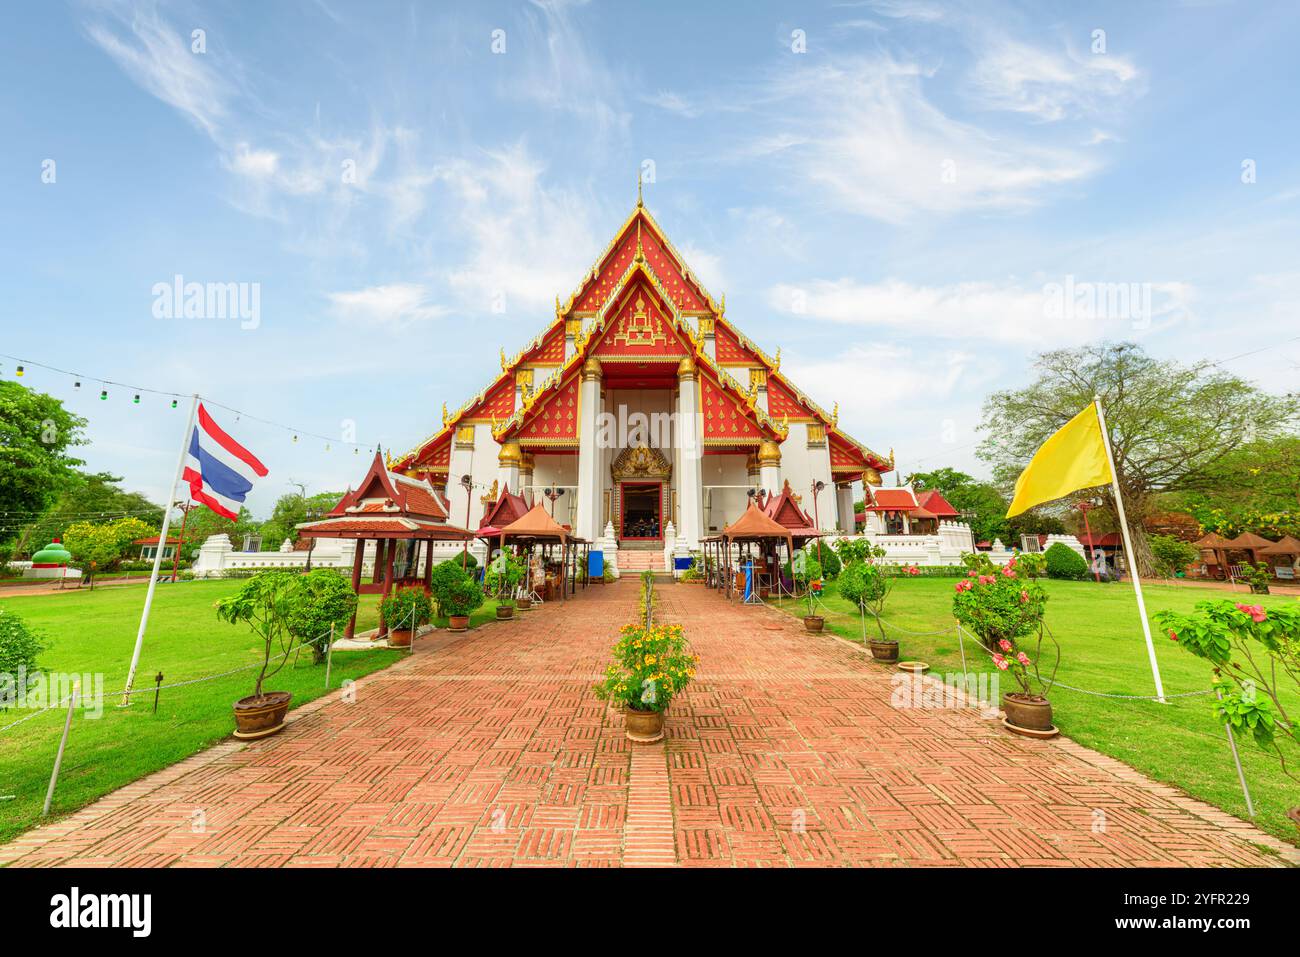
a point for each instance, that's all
(389, 493)
(1286, 545)
(1210, 540)
(933, 501)
(784, 509)
(390, 526)
(756, 523)
(1248, 540)
(901, 499)
(536, 523)
(507, 508)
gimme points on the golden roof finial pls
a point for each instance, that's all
(776, 360)
(504, 364)
(444, 413)
(639, 202)
(722, 306)
(891, 458)
(640, 253)
(835, 414)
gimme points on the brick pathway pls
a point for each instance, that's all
(488, 749)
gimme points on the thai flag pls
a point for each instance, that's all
(220, 470)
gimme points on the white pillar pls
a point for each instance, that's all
(844, 507)
(589, 457)
(525, 489)
(690, 476)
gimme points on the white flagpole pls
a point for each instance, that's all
(157, 557)
(1128, 551)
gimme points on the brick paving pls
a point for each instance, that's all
(488, 749)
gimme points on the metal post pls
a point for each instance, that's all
(157, 690)
(329, 657)
(1241, 775)
(63, 743)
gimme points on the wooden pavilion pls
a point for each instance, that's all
(1248, 542)
(754, 527)
(1213, 554)
(398, 513)
(1287, 547)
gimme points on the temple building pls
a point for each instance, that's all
(642, 414)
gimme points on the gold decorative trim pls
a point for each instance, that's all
(640, 461)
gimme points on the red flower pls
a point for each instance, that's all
(1256, 612)
(1173, 635)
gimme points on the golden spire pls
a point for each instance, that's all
(640, 253)
(639, 202)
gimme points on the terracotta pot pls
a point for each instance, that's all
(524, 604)
(257, 717)
(1029, 712)
(884, 650)
(644, 726)
(814, 623)
(505, 612)
(399, 638)
(457, 622)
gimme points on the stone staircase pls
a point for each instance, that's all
(637, 557)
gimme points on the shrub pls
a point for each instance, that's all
(264, 603)
(827, 557)
(1062, 561)
(463, 596)
(407, 608)
(322, 597)
(445, 575)
(1255, 654)
(19, 646)
(1172, 555)
(504, 574)
(651, 666)
(1003, 608)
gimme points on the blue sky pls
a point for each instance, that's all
(885, 190)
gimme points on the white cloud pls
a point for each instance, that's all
(395, 305)
(160, 60)
(1066, 311)
(866, 133)
(1050, 84)
(673, 103)
(254, 163)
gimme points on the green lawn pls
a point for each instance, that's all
(1102, 649)
(94, 632)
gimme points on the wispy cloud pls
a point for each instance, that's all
(1050, 84)
(391, 306)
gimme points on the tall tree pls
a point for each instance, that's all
(289, 511)
(36, 434)
(96, 497)
(1171, 425)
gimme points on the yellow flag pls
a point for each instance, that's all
(1073, 458)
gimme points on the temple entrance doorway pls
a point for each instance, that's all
(642, 518)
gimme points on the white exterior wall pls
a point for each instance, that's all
(801, 466)
(728, 503)
(560, 471)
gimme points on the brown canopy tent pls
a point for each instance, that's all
(1248, 542)
(536, 527)
(1287, 547)
(755, 526)
(1212, 554)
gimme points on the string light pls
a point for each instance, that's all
(137, 392)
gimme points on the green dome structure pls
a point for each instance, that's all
(52, 556)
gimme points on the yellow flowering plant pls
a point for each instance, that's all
(651, 666)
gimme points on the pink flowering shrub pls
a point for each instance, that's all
(1003, 608)
(1255, 657)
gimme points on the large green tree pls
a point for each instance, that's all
(984, 506)
(94, 497)
(289, 511)
(1171, 424)
(36, 467)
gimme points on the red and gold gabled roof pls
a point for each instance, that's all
(507, 508)
(784, 509)
(730, 415)
(640, 327)
(551, 417)
(549, 351)
(387, 493)
(602, 280)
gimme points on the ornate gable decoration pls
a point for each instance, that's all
(640, 462)
(549, 352)
(553, 420)
(639, 328)
(783, 403)
(727, 420)
(680, 285)
(730, 351)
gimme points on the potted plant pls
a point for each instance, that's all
(1003, 608)
(265, 602)
(807, 573)
(325, 599)
(463, 597)
(404, 611)
(866, 583)
(1255, 657)
(651, 666)
(502, 578)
